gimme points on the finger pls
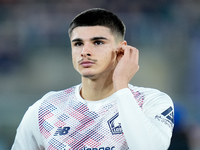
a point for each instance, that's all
(128, 53)
(125, 50)
(135, 58)
(135, 54)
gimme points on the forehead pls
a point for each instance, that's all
(87, 32)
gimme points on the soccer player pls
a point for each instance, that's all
(104, 112)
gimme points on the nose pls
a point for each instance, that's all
(86, 51)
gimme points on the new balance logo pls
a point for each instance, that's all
(62, 131)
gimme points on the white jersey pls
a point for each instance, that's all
(133, 118)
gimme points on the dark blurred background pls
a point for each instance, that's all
(35, 56)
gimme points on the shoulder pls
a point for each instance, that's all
(53, 97)
(54, 94)
(149, 92)
(150, 95)
(61, 95)
(145, 90)
(155, 104)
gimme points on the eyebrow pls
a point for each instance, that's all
(98, 38)
(92, 39)
(77, 40)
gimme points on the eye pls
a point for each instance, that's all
(78, 44)
(98, 42)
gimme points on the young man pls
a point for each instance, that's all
(104, 112)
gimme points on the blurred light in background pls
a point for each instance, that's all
(35, 56)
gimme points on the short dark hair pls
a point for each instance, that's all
(99, 17)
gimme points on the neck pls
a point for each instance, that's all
(96, 89)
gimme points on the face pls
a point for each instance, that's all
(93, 51)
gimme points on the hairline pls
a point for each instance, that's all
(118, 38)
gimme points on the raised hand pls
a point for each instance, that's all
(127, 66)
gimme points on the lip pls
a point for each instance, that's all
(86, 64)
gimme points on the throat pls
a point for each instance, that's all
(95, 93)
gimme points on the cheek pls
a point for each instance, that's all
(74, 64)
(75, 60)
(111, 56)
(108, 52)
(109, 59)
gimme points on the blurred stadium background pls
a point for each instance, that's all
(35, 56)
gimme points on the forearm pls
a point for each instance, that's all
(140, 131)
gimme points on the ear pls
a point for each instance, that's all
(120, 52)
(123, 43)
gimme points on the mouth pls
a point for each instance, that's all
(86, 63)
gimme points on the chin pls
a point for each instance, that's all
(88, 76)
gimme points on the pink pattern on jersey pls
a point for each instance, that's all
(139, 97)
(66, 122)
